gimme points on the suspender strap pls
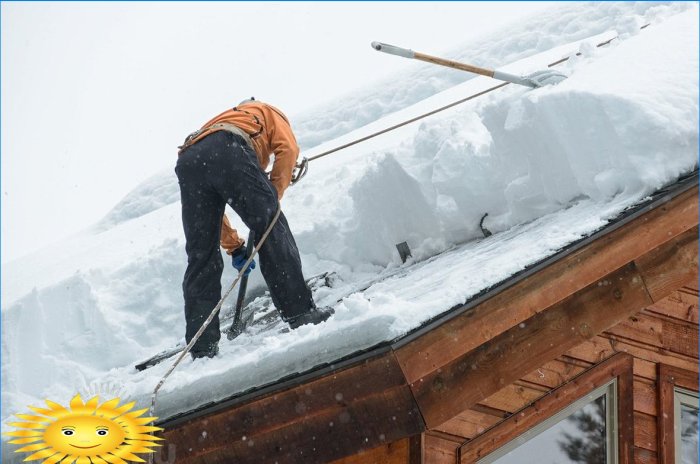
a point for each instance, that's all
(201, 133)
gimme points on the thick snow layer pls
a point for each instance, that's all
(549, 166)
(552, 30)
(561, 24)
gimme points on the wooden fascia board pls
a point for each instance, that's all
(313, 422)
(462, 383)
(480, 372)
(549, 286)
(671, 266)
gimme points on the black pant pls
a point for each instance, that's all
(220, 169)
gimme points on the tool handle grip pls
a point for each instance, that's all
(250, 246)
(393, 50)
(453, 64)
(407, 53)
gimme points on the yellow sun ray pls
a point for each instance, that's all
(23, 433)
(41, 454)
(55, 458)
(142, 449)
(112, 459)
(45, 412)
(143, 420)
(107, 409)
(135, 414)
(141, 442)
(125, 408)
(31, 418)
(83, 460)
(22, 441)
(26, 425)
(77, 402)
(78, 406)
(92, 403)
(55, 406)
(57, 412)
(146, 428)
(123, 453)
(143, 437)
(29, 448)
(98, 460)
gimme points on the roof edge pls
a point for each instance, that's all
(656, 200)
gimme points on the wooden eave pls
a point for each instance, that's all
(428, 377)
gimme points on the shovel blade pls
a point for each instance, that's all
(546, 77)
(238, 327)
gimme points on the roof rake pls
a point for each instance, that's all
(534, 80)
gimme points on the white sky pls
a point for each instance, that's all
(97, 96)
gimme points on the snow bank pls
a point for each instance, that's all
(562, 24)
(156, 192)
(549, 166)
(519, 154)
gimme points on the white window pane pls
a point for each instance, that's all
(689, 434)
(578, 438)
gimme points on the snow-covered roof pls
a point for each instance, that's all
(404, 279)
(421, 381)
(550, 166)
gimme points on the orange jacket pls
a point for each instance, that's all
(270, 133)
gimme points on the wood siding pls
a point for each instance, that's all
(655, 356)
(641, 337)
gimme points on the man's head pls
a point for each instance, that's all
(247, 100)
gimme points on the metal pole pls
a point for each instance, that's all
(407, 53)
(235, 328)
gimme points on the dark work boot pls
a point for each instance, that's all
(212, 351)
(314, 316)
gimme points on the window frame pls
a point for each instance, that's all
(615, 371)
(681, 397)
(609, 390)
(671, 380)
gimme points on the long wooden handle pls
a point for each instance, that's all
(408, 53)
(453, 64)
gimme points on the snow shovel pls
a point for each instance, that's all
(239, 325)
(534, 80)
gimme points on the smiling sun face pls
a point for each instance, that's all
(87, 432)
(84, 435)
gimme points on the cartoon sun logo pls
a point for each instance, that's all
(86, 433)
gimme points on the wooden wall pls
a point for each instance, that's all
(664, 333)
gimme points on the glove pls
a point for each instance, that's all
(238, 260)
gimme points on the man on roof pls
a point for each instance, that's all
(224, 163)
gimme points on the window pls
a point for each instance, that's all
(583, 432)
(677, 426)
(586, 420)
(686, 426)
